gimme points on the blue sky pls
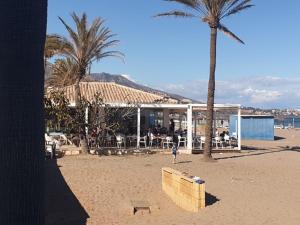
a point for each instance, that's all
(173, 54)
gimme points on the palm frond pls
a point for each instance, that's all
(176, 14)
(226, 31)
(189, 3)
(238, 8)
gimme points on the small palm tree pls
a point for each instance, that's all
(63, 73)
(211, 12)
(85, 45)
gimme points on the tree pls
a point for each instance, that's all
(21, 115)
(211, 12)
(57, 110)
(63, 73)
(85, 45)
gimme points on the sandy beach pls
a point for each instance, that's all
(255, 187)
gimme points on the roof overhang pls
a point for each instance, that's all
(172, 106)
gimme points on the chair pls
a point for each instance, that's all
(151, 139)
(181, 140)
(202, 141)
(120, 141)
(218, 141)
(49, 150)
(108, 140)
(168, 141)
(64, 140)
(143, 140)
(50, 146)
(132, 139)
(196, 142)
(227, 140)
(51, 141)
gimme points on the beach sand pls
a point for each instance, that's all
(260, 187)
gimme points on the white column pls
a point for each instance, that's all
(239, 130)
(190, 127)
(138, 130)
(86, 120)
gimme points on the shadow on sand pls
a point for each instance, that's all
(183, 162)
(270, 151)
(276, 138)
(62, 206)
(210, 199)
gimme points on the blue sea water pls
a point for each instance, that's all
(293, 122)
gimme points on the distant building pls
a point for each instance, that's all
(253, 127)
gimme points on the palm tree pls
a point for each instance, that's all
(211, 12)
(21, 115)
(85, 45)
(63, 73)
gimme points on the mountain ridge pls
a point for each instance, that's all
(122, 80)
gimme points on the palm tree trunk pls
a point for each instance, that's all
(22, 115)
(77, 92)
(210, 95)
(83, 139)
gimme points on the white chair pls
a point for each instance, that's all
(49, 150)
(227, 140)
(50, 146)
(218, 142)
(168, 141)
(181, 140)
(202, 141)
(52, 141)
(64, 140)
(132, 139)
(143, 140)
(151, 138)
(120, 141)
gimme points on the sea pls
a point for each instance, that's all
(288, 122)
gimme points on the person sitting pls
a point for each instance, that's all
(222, 135)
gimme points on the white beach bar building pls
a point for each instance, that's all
(152, 108)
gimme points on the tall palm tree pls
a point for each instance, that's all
(85, 45)
(211, 12)
(21, 115)
(63, 73)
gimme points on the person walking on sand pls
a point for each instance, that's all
(174, 152)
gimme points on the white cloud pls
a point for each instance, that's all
(129, 77)
(263, 91)
(262, 96)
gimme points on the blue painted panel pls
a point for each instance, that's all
(253, 127)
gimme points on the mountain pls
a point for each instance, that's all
(122, 80)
